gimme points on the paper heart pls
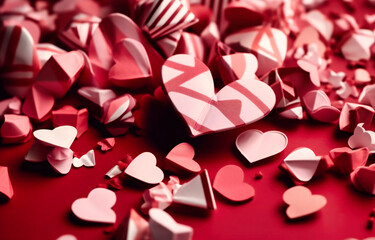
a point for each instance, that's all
(5, 183)
(87, 160)
(362, 138)
(189, 84)
(357, 45)
(319, 106)
(303, 163)
(309, 35)
(181, 157)
(144, 168)
(68, 115)
(38, 104)
(15, 129)
(255, 145)
(61, 159)
(301, 202)
(346, 160)
(132, 67)
(368, 95)
(363, 178)
(320, 22)
(229, 182)
(362, 76)
(96, 207)
(352, 114)
(163, 226)
(59, 137)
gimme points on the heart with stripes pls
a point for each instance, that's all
(190, 86)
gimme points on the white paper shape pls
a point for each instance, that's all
(114, 171)
(62, 136)
(303, 163)
(362, 138)
(87, 160)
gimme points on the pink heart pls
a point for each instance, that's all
(163, 226)
(189, 84)
(346, 159)
(301, 202)
(61, 159)
(229, 182)
(181, 157)
(319, 106)
(363, 178)
(5, 184)
(309, 35)
(132, 67)
(255, 145)
(96, 207)
(302, 163)
(59, 137)
(144, 168)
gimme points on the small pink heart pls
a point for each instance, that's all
(59, 137)
(318, 105)
(96, 207)
(144, 168)
(61, 159)
(229, 182)
(302, 163)
(363, 178)
(301, 202)
(255, 145)
(181, 157)
(163, 226)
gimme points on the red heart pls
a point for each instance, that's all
(229, 182)
(346, 159)
(189, 84)
(363, 178)
(181, 158)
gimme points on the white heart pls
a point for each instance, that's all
(62, 136)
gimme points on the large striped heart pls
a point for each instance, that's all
(189, 84)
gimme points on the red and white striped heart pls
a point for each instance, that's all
(189, 84)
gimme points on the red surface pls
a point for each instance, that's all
(40, 208)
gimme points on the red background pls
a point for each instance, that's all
(40, 208)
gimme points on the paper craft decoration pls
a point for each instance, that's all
(15, 129)
(310, 35)
(189, 85)
(346, 160)
(318, 105)
(268, 44)
(46, 50)
(62, 136)
(164, 227)
(114, 171)
(5, 185)
(335, 79)
(60, 159)
(10, 106)
(144, 169)
(132, 68)
(19, 61)
(87, 160)
(191, 44)
(97, 207)
(302, 163)
(352, 114)
(320, 22)
(134, 227)
(356, 46)
(255, 145)
(363, 178)
(229, 182)
(347, 90)
(68, 115)
(67, 237)
(160, 196)
(197, 192)
(106, 144)
(180, 158)
(362, 138)
(38, 104)
(362, 76)
(368, 95)
(38, 152)
(301, 202)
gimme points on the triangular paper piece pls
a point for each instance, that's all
(197, 192)
(133, 227)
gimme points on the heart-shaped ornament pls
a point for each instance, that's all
(363, 178)
(163, 226)
(144, 168)
(229, 182)
(319, 106)
(255, 145)
(301, 202)
(303, 163)
(362, 138)
(346, 159)
(61, 159)
(189, 84)
(59, 137)
(96, 207)
(181, 158)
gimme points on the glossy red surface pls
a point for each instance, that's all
(40, 208)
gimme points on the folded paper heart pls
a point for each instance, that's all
(5, 184)
(362, 138)
(191, 44)
(255, 145)
(68, 115)
(309, 35)
(59, 137)
(363, 178)
(87, 160)
(10, 106)
(352, 114)
(143, 168)
(356, 45)
(301, 202)
(368, 95)
(133, 227)
(346, 160)
(319, 106)
(180, 158)
(229, 182)
(106, 144)
(320, 22)
(97, 207)
(15, 129)
(189, 84)
(61, 159)
(164, 227)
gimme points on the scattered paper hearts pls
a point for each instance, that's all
(87, 160)
(144, 168)
(5, 185)
(363, 178)
(180, 158)
(229, 182)
(59, 137)
(189, 85)
(163, 226)
(255, 145)
(362, 138)
(303, 163)
(97, 207)
(301, 202)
